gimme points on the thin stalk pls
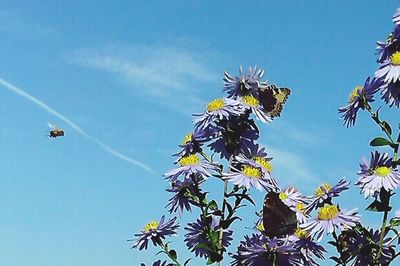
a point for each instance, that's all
(166, 251)
(221, 230)
(374, 116)
(383, 229)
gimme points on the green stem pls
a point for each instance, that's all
(221, 230)
(383, 229)
(374, 116)
(166, 251)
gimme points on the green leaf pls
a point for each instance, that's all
(394, 222)
(387, 127)
(204, 246)
(213, 205)
(226, 223)
(172, 254)
(379, 141)
(377, 206)
(214, 235)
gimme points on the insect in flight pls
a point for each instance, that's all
(273, 99)
(278, 219)
(55, 131)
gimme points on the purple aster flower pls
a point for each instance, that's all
(358, 99)
(391, 45)
(202, 234)
(251, 103)
(191, 165)
(159, 263)
(245, 83)
(389, 70)
(236, 135)
(183, 195)
(330, 217)
(218, 109)
(391, 94)
(377, 174)
(249, 176)
(256, 151)
(362, 245)
(257, 161)
(324, 193)
(156, 232)
(291, 197)
(301, 214)
(259, 250)
(192, 142)
(309, 250)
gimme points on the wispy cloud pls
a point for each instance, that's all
(292, 168)
(72, 124)
(16, 22)
(166, 74)
(312, 136)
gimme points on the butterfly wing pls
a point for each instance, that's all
(272, 99)
(278, 219)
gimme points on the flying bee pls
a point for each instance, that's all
(55, 131)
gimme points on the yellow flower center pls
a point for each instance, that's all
(151, 225)
(300, 207)
(187, 138)
(283, 196)
(382, 171)
(215, 105)
(264, 163)
(328, 212)
(250, 100)
(354, 94)
(322, 189)
(251, 171)
(189, 160)
(260, 227)
(395, 58)
(300, 233)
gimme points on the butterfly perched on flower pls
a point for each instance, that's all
(272, 99)
(278, 219)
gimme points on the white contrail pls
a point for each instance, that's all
(44, 106)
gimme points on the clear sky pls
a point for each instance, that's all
(122, 78)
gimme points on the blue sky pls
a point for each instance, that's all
(129, 75)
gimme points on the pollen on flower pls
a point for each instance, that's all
(260, 227)
(215, 105)
(250, 100)
(300, 233)
(264, 163)
(395, 58)
(151, 225)
(187, 138)
(189, 160)
(283, 196)
(355, 94)
(251, 171)
(300, 207)
(382, 171)
(328, 212)
(321, 190)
